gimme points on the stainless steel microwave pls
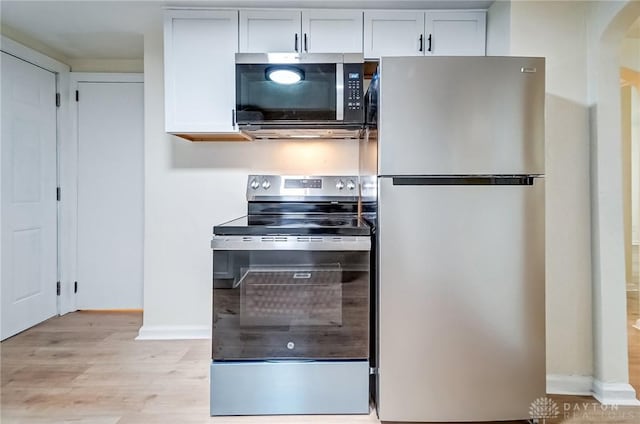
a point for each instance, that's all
(299, 91)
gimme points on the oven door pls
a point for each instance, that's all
(263, 98)
(278, 298)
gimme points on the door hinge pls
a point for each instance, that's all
(57, 99)
(58, 288)
(58, 193)
(77, 96)
(373, 370)
(75, 287)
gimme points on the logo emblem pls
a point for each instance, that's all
(544, 408)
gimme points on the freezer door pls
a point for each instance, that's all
(461, 300)
(461, 115)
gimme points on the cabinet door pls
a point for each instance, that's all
(199, 61)
(332, 31)
(393, 33)
(455, 33)
(270, 31)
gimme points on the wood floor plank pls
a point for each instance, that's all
(62, 420)
(87, 368)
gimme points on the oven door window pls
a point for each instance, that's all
(259, 99)
(294, 295)
(290, 304)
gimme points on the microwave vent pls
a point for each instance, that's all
(303, 134)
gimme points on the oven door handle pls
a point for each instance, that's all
(309, 243)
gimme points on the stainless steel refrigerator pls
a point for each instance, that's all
(459, 154)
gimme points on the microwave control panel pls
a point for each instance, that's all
(353, 95)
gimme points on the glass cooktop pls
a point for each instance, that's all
(294, 225)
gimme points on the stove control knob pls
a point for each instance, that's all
(340, 185)
(255, 184)
(351, 185)
(266, 184)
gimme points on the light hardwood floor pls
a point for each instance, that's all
(85, 367)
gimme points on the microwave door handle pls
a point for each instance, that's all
(339, 92)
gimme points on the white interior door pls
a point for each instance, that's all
(110, 195)
(29, 239)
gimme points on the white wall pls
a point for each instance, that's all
(189, 187)
(106, 65)
(625, 115)
(608, 21)
(630, 54)
(586, 324)
(499, 29)
(630, 58)
(557, 31)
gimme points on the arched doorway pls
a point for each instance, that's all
(630, 126)
(610, 21)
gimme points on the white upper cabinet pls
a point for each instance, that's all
(332, 31)
(411, 33)
(392, 33)
(308, 31)
(455, 33)
(199, 70)
(270, 31)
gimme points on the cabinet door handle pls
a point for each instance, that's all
(420, 48)
(429, 39)
(306, 48)
(233, 118)
(295, 46)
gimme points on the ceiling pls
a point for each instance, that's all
(114, 29)
(97, 30)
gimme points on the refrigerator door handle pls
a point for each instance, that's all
(464, 180)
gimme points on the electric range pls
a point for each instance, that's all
(291, 300)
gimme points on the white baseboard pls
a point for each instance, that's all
(569, 384)
(582, 385)
(174, 332)
(615, 393)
